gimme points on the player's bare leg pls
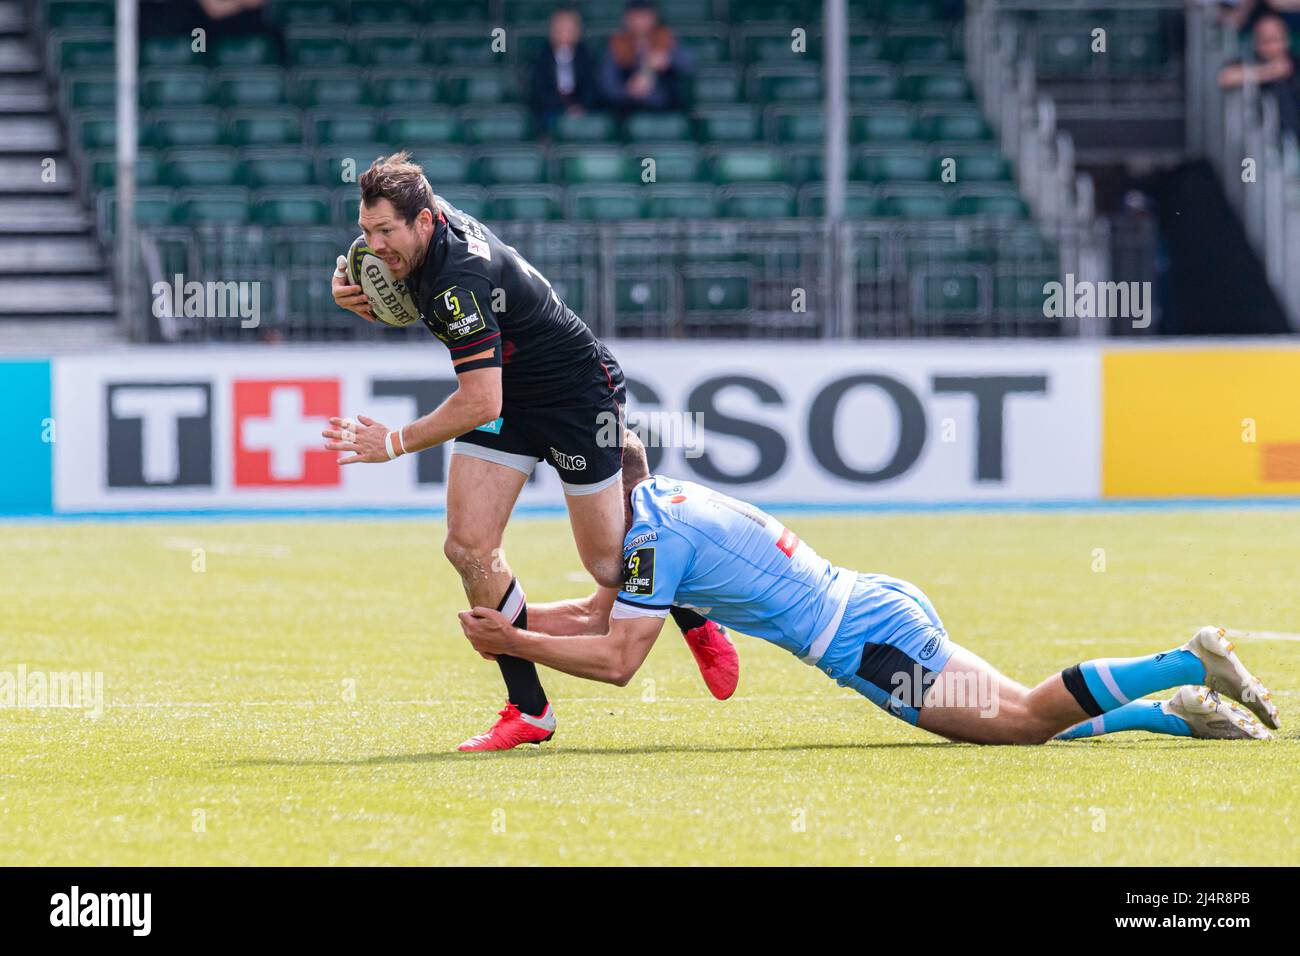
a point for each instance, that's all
(480, 497)
(599, 524)
(971, 701)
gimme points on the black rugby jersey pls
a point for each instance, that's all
(476, 293)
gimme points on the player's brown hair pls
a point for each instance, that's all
(400, 181)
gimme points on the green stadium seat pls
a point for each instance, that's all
(154, 208)
(704, 46)
(527, 11)
(345, 126)
(727, 123)
(775, 45)
(524, 203)
(251, 87)
(586, 128)
(716, 293)
(292, 207)
(95, 129)
(769, 84)
(951, 291)
(748, 165)
(91, 92)
(390, 11)
(861, 10)
(911, 11)
(936, 86)
(657, 127)
(757, 201)
(102, 167)
(1021, 292)
(213, 207)
(866, 50)
(594, 165)
(758, 11)
(158, 52)
(894, 164)
(873, 83)
(639, 295)
(423, 127)
(344, 164)
(913, 202)
(83, 53)
(319, 49)
(716, 84)
(883, 125)
(673, 162)
(859, 201)
(1025, 245)
(497, 124)
(445, 165)
(991, 201)
(270, 127)
(510, 166)
(605, 203)
(946, 246)
(252, 50)
(954, 125)
(390, 48)
(474, 87)
(681, 201)
(1064, 49)
(796, 124)
(806, 164)
(471, 200)
(78, 14)
(186, 128)
(973, 164)
(202, 167)
(403, 88)
(466, 48)
(278, 167)
(919, 46)
(440, 11)
(329, 89)
(176, 88)
(1136, 52)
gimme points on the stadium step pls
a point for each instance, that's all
(50, 256)
(30, 134)
(24, 94)
(64, 296)
(12, 18)
(25, 175)
(18, 55)
(49, 215)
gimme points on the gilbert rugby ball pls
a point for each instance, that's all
(390, 302)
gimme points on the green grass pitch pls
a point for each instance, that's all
(298, 701)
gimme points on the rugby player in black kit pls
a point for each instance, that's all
(534, 384)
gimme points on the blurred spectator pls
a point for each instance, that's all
(644, 68)
(1242, 15)
(1274, 70)
(564, 77)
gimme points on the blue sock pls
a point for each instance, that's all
(1139, 715)
(1115, 681)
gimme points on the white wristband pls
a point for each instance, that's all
(388, 444)
(396, 448)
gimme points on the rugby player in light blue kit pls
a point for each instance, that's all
(689, 545)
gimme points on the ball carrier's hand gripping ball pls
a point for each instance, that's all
(390, 301)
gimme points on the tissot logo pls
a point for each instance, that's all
(75, 908)
(278, 428)
(159, 434)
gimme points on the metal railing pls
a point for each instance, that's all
(1025, 120)
(720, 278)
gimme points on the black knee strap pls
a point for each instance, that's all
(1078, 688)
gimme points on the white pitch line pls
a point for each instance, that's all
(1262, 635)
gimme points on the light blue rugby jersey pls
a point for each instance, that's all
(691, 545)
